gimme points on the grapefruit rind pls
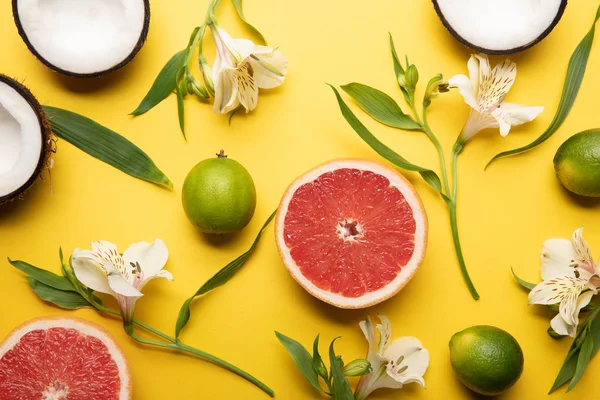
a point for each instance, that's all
(407, 271)
(84, 327)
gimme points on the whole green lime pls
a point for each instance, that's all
(219, 195)
(486, 359)
(577, 163)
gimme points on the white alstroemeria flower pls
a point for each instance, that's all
(485, 91)
(570, 279)
(241, 68)
(104, 270)
(393, 365)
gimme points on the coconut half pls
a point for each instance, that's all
(500, 26)
(25, 139)
(83, 38)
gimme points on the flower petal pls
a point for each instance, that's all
(561, 327)
(247, 88)
(407, 353)
(161, 274)
(385, 333)
(269, 68)
(370, 334)
(122, 287)
(89, 272)
(494, 86)
(473, 66)
(557, 259)
(503, 120)
(151, 257)
(465, 88)
(518, 114)
(583, 253)
(558, 290)
(226, 91)
(107, 253)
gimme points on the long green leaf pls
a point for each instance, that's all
(525, 284)
(430, 177)
(218, 279)
(341, 387)
(181, 111)
(46, 277)
(164, 84)
(380, 106)
(105, 145)
(585, 354)
(302, 358)
(318, 364)
(240, 10)
(568, 368)
(398, 69)
(575, 73)
(66, 300)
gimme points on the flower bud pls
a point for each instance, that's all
(411, 77)
(69, 273)
(207, 74)
(436, 85)
(319, 367)
(357, 367)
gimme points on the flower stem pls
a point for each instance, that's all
(206, 356)
(438, 147)
(175, 344)
(457, 149)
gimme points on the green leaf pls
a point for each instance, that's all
(105, 145)
(341, 387)
(318, 363)
(62, 299)
(240, 11)
(219, 279)
(164, 84)
(46, 277)
(380, 106)
(430, 177)
(302, 358)
(399, 70)
(575, 73)
(181, 111)
(568, 368)
(585, 354)
(525, 284)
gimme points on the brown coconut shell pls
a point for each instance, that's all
(480, 49)
(47, 138)
(134, 52)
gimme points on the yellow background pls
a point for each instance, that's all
(505, 214)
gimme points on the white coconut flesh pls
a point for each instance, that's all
(82, 36)
(500, 25)
(21, 140)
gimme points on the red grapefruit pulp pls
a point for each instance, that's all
(352, 232)
(62, 359)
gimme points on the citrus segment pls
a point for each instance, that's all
(62, 358)
(351, 232)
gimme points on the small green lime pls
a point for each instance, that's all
(486, 359)
(577, 163)
(219, 195)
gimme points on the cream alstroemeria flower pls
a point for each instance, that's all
(241, 68)
(570, 279)
(485, 91)
(104, 270)
(393, 365)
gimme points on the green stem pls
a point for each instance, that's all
(178, 345)
(457, 149)
(138, 323)
(440, 151)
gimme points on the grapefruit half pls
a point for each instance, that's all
(351, 232)
(61, 358)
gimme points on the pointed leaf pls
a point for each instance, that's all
(302, 358)
(430, 177)
(380, 106)
(575, 73)
(181, 111)
(62, 299)
(318, 363)
(164, 84)
(398, 69)
(41, 275)
(567, 371)
(240, 10)
(525, 284)
(585, 354)
(219, 279)
(341, 387)
(105, 145)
